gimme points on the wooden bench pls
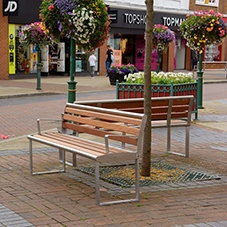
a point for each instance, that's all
(110, 124)
(167, 112)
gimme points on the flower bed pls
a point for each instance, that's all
(162, 86)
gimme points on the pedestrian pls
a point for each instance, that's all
(92, 60)
(108, 59)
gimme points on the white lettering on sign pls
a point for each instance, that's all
(132, 18)
(11, 7)
(172, 21)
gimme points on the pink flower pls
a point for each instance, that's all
(222, 33)
(50, 7)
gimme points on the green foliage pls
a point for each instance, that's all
(160, 78)
(203, 28)
(35, 34)
(86, 21)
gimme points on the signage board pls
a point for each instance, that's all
(10, 7)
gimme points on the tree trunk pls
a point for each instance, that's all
(146, 157)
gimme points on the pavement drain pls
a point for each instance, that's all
(161, 173)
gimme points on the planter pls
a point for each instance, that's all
(127, 91)
(113, 77)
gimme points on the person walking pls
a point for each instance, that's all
(108, 59)
(92, 60)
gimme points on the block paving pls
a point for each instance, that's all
(68, 199)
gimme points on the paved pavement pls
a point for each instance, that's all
(69, 199)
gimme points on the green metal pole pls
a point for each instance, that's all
(72, 83)
(200, 83)
(38, 68)
(158, 62)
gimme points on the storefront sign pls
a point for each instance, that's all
(113, 15)
(132, 18)
(135, 19)
(10, 8)
(12, 62)
(27, 11)
(172, 21)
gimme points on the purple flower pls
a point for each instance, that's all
(60, 27)
(66, 5)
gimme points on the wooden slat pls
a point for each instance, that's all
(70, 140)
(98, 132)
(103, 116)
(159, 103)
(102, 124)
(181, 102)
(77, 145)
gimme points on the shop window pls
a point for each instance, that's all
(208, 2)
(212, 53)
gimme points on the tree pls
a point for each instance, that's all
(146, 157)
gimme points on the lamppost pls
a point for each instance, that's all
(38, 68)
(72, 83)
(200, 82)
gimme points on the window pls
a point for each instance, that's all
(207, 2)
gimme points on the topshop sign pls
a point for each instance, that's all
(136, 19)
(172, 21)
(10, 8)
(132, 18)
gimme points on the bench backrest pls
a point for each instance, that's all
(100, 122)
(162, 108)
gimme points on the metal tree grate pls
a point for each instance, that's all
(161, 173)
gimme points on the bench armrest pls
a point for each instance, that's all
(45, 119)
(107, 142)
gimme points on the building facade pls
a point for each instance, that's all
(126, 37)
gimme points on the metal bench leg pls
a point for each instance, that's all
(74, 160)
(168, 139)
(30, 156)
(137, 183)
(187, 142)
(53, 171)
(97, 183)
(97, 186)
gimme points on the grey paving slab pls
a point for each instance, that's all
(197, 135)
(9, 218)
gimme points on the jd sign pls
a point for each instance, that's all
(10, 8)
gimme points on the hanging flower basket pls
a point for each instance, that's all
(35, 34)
(162, 37)
(203, 28)
(86, 21)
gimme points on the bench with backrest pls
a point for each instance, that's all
(166, 112)
(110, 124)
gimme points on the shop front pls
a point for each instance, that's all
(55, 60)
(127, 37)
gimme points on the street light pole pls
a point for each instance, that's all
(200, 82)
(38, 68)
(72, 83)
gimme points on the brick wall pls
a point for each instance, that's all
(222, 8)
(4, 72)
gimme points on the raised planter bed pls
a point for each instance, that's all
(113, 77)
(126, 91)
